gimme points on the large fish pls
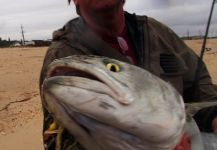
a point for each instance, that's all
(111, 105)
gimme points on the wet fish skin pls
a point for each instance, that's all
(127, 110)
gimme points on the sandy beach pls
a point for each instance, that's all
(20, 107)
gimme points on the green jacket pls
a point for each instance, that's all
(157, 49)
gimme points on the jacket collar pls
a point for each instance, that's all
(93, 42)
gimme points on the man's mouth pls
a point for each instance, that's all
(108, 8)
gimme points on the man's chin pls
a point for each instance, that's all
(104, 6)
(114, 33)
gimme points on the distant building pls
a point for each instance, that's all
(16, 44)
(42, 42)
(33, 43)
(29, 43)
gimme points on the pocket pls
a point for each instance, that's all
(172, 65)
(173, 70)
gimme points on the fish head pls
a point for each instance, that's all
(108, 104)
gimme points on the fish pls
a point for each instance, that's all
(107, 104)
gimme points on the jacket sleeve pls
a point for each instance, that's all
(205, 90)
(58, 49)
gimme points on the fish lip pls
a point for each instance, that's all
(58, 81)
(66, 109)
(67, 80)
(71, 111)
(76, 117)
(69, 71)
(121, 91)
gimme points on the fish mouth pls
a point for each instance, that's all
(69, 76)
(85, 121)
(88, 126)
(89, 72)
(68, 71)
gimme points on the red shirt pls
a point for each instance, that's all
(123, 44)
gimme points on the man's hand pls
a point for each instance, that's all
(214, 125)
(185, 143)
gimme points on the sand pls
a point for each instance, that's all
(20, 107)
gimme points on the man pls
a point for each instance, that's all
(103, 28)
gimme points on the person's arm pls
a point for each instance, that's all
(206, 90)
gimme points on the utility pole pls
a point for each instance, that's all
(23, 43)
(188, 34)
(200, 34)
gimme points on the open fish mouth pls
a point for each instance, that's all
(80, 80)
(90, 127)
(118, 90)
(68, 71)
(68, 76)
(71, 77)
(104, 102)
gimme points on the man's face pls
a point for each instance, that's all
(103, 14)
(97, 5)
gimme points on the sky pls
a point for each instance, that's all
(41, 17)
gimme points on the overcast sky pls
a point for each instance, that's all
(41, 17)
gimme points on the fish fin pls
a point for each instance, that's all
(193, 108)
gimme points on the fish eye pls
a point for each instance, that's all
(113, 67)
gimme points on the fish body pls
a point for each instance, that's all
(111, 105)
